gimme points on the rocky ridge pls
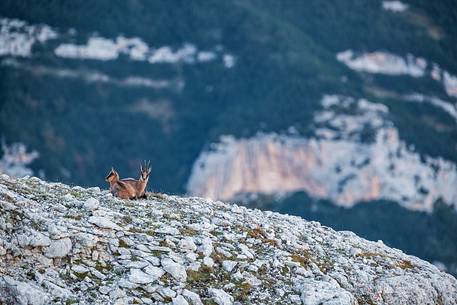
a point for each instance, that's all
(66, 245)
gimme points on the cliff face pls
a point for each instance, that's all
(66, 245)
(338, 163)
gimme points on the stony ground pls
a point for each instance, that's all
(69, 245)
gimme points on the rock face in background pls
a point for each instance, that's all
(336, 164)
(65, 245)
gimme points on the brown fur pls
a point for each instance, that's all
(129, 188)
(118, 187)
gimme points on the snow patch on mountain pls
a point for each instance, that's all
(356, 155)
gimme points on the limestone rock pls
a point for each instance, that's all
(59, 248)
(66, 249)
(21, 293)
(176, 270)
(103, 222)
(220, 296)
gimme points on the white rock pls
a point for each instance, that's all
(295, 298)
(117, 293)
(167, 230)
(318, 292)
(245, 251)
(195, 266)
(103, 222)
(24, 293)
(208, 261)
(57, 291)
(220, 296)
(137, 264)
(59, 248)
(104, 289)
(98, 274)
(79, 269)
(86, 240)
(167, 292)
(124, 283)
(206, 248)
(57, 232)
(139, 277)
(228, 265)
(179, 300)
(193, 297)
(154, 272)
(91, 204)
(33, 239)
(43, 260)
(142, 248)
(155, 261)
(187, 244)
(191, 256)
(177, 271)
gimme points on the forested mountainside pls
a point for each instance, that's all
(346, 102)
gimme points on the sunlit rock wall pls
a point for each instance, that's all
(337, 164)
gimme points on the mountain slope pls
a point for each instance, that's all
(65, 245)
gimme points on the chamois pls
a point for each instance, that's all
(140, 184)
(129, 188)
(118, 187)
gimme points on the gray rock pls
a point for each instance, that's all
(208, 261)
(59, 248)
(167, 292)
(89, 257)
(139, 277)
(228, 265)
(193, 297)
(91, 204)
(206, 248)
(246, 251)
(318, 292)
(179, 300)
(103, 222)
(21, 293)
(220, 297)
(187, 244)
(177, 271)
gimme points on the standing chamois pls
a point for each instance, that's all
(129, 188)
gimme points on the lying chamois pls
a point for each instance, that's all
(118, 187)
(129, 188)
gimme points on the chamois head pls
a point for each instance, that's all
(112, 176)
(145, 170)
